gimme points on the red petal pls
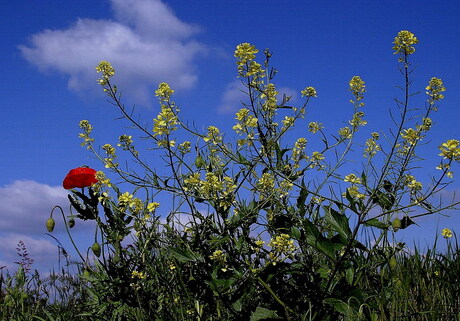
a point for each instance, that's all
(80, 177)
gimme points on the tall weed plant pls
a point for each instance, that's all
(257, 225)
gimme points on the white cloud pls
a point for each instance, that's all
(25, 206)
(232, 98)
(146, 43)
(39, 250)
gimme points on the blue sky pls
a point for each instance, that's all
(48, 81)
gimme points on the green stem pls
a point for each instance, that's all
(277, 299)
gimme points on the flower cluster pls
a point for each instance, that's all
(357, 119)
(316, 159)
(371, 145)
(245, 126)
(213, 135)
(298, 152)
(446, 233)
(434, 90)
(354, 193)
(213, 187)
(164, 92)
(410, 136)
(282, 246)
(165, 122)
(412, 184)
(245, 54)
(85, 136)
(110, 153)
(107, 71)
(266, 185)
(309, 92)
(404, 42)
(315, 126)
(269, 96)
(450, 149)
(352, 178)
(345, 132)
(357, 88)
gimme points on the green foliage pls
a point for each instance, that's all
(255, 226)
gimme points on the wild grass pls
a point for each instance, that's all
(410, 285)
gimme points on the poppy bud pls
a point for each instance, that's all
(50, 223)
(396, 224)
(96, 248)
(71, 222)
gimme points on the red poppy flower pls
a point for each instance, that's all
(80, 177)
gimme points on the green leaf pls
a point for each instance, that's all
(242, 159)
(375, 222)
(338, 221)
(302, 198)
(238, 305)
(295, 232)
(339, 305)
(315, 239)
(184, 256)
(263, 314)
(385, 200)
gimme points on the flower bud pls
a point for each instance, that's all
(199, 162)
(71, 222)
(396, 224)
(96, 248)
(50, 223)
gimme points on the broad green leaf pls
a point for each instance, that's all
(338, 221)
(295, 232)
(263, 314)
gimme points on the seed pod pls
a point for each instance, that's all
(396, 224)
(71, 222)
(199, 162)
(96, 248)
(50, 223)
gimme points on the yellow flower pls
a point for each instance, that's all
(404, 42)
(107, 71)
(315, 126)
(125, 199)
(138, 275)
(434, 89)
(446, 233)
(345, 132)
(450, 149)
(151, 207)
(353, 179)
(164, 92)
(357, 87)
(309, 92)
(166, 121)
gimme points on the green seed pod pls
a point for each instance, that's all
(50, 223)
(199, 162)
(71, 222)
(96, 248)
(396, 224)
